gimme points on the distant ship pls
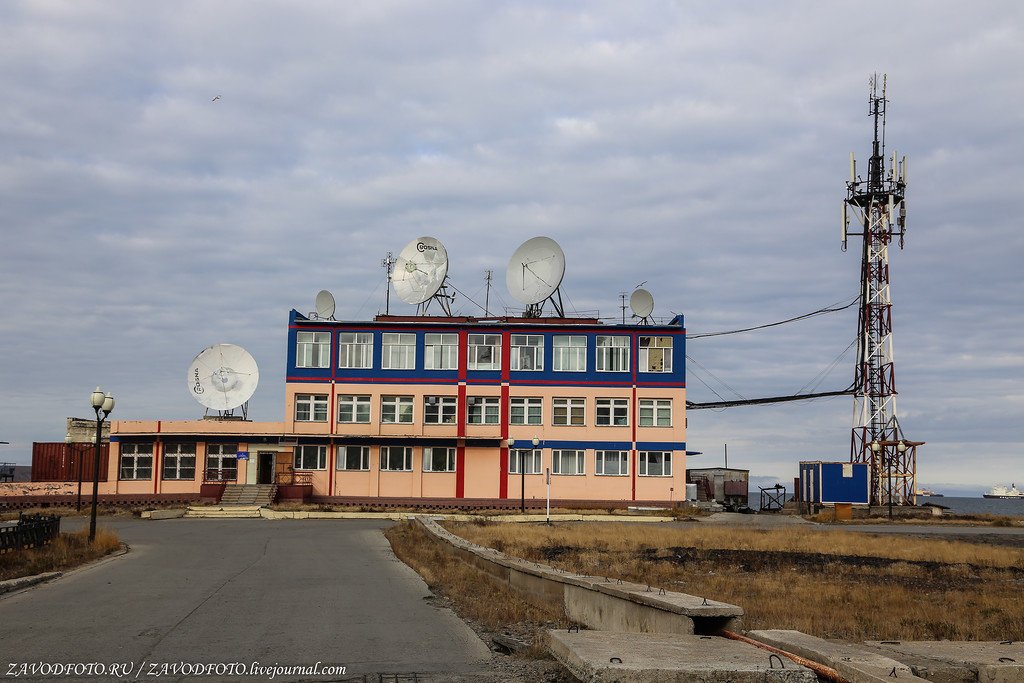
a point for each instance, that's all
(1003, 492)
(928, 492)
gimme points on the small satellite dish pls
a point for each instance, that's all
(325, 305)
(223, 377)
(535, 270)
(642, 303)
(420, 270)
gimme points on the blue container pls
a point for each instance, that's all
(835, 482)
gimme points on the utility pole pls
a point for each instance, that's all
(386, 263)
(488, 274)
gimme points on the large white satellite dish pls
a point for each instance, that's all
(535, 271)
(223, 377)
(325, 305)
(642, 303)
(420, 270)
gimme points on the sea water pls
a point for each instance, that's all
(977, 506)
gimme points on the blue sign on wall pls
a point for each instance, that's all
(242, 455)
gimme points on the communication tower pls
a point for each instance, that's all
(876, 208)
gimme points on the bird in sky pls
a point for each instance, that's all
(215, 98)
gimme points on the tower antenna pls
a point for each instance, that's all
(386, 263)
(879, 213)
(488, 274)
(622, 296)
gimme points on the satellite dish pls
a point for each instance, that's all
(420, 270)
(325, 305)
(642, 303)
(223, 377)
(535, 270)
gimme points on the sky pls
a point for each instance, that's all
(174, 175)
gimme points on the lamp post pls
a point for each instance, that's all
(103, 404)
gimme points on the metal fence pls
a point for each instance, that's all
(31, 531)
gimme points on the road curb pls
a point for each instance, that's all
(11, 585)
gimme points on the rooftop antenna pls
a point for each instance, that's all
(324, 306)
(879, 215)
(223, 377)
(386, 264)
(421, 275)
(488, 274)
(642, 304)
(534, 275)
(622, 297)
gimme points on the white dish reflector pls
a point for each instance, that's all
(223, 377)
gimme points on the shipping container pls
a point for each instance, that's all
(828, 483)
(62, 461)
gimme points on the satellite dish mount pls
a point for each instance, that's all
(534, 276)
(421, 275)
(642, 305)
(223, 377)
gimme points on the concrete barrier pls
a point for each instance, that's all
(595, 602)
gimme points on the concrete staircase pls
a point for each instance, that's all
(248, 494)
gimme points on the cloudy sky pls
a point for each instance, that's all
(700, 148)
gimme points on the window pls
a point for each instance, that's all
(312, 349)
(483, 410)
(612, 463)
(136, 460)
(655, 463)
(439, 409)
(353, 409)
(180, 461)
(613, 354)
(353, 458)
(399, 351)
(441, 352)
(484, 352)
(355, 350)
(396, 458)
(570, 353)
(221, 461)
(396, 409)
(311, 457)
(527, 352)
(525, 411)
(529, 457)
(567, 462)
(438, 459)
(568, 412)
(655, 412)
(311, 407)
(612, 412)
(655, 354)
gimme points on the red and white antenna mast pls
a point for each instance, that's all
(875, 206)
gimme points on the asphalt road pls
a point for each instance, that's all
(212, 591)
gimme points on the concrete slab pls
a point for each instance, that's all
(949, 661)
(603, 656)
(856, 663)
(164, 514)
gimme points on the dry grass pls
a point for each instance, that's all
(474, 597)
(829, 583)
(70, 511)
(65, 552)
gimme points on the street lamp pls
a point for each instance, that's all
(103, 404)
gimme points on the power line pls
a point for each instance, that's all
(828, 309)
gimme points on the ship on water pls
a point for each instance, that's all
(927, 492)
(1002, 492)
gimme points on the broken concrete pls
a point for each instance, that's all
(856, 663)
(955, 662)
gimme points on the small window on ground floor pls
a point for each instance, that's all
(179, 461)
(353, 458)
(311, 457)
(438, 459)
(612, 463)
(655, 464)
(136, 461)
(396, 458)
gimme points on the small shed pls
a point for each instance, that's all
(721, 484)
(835, 482)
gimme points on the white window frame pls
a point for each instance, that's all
(612, 412)
(441, 351)
(355, 350)
(665, 465)
(654, 410)
(483, 410)
(392, 406)
(359, 405)
(181, 451)
(448, 456)
(573, 407)
(362, 454)
(656, 344)
(612, 353)
(312, 349)
(532, 410)
(525, 346)
(531, 456)
(569, 353)
(222, 453)
(580, 464)
(137, 453)
(603, 458)
(389, 455)
(479, 345)
(313, 406)
(398, 351)
(310, 452)
(438, 410)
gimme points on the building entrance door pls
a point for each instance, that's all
(265, 468)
